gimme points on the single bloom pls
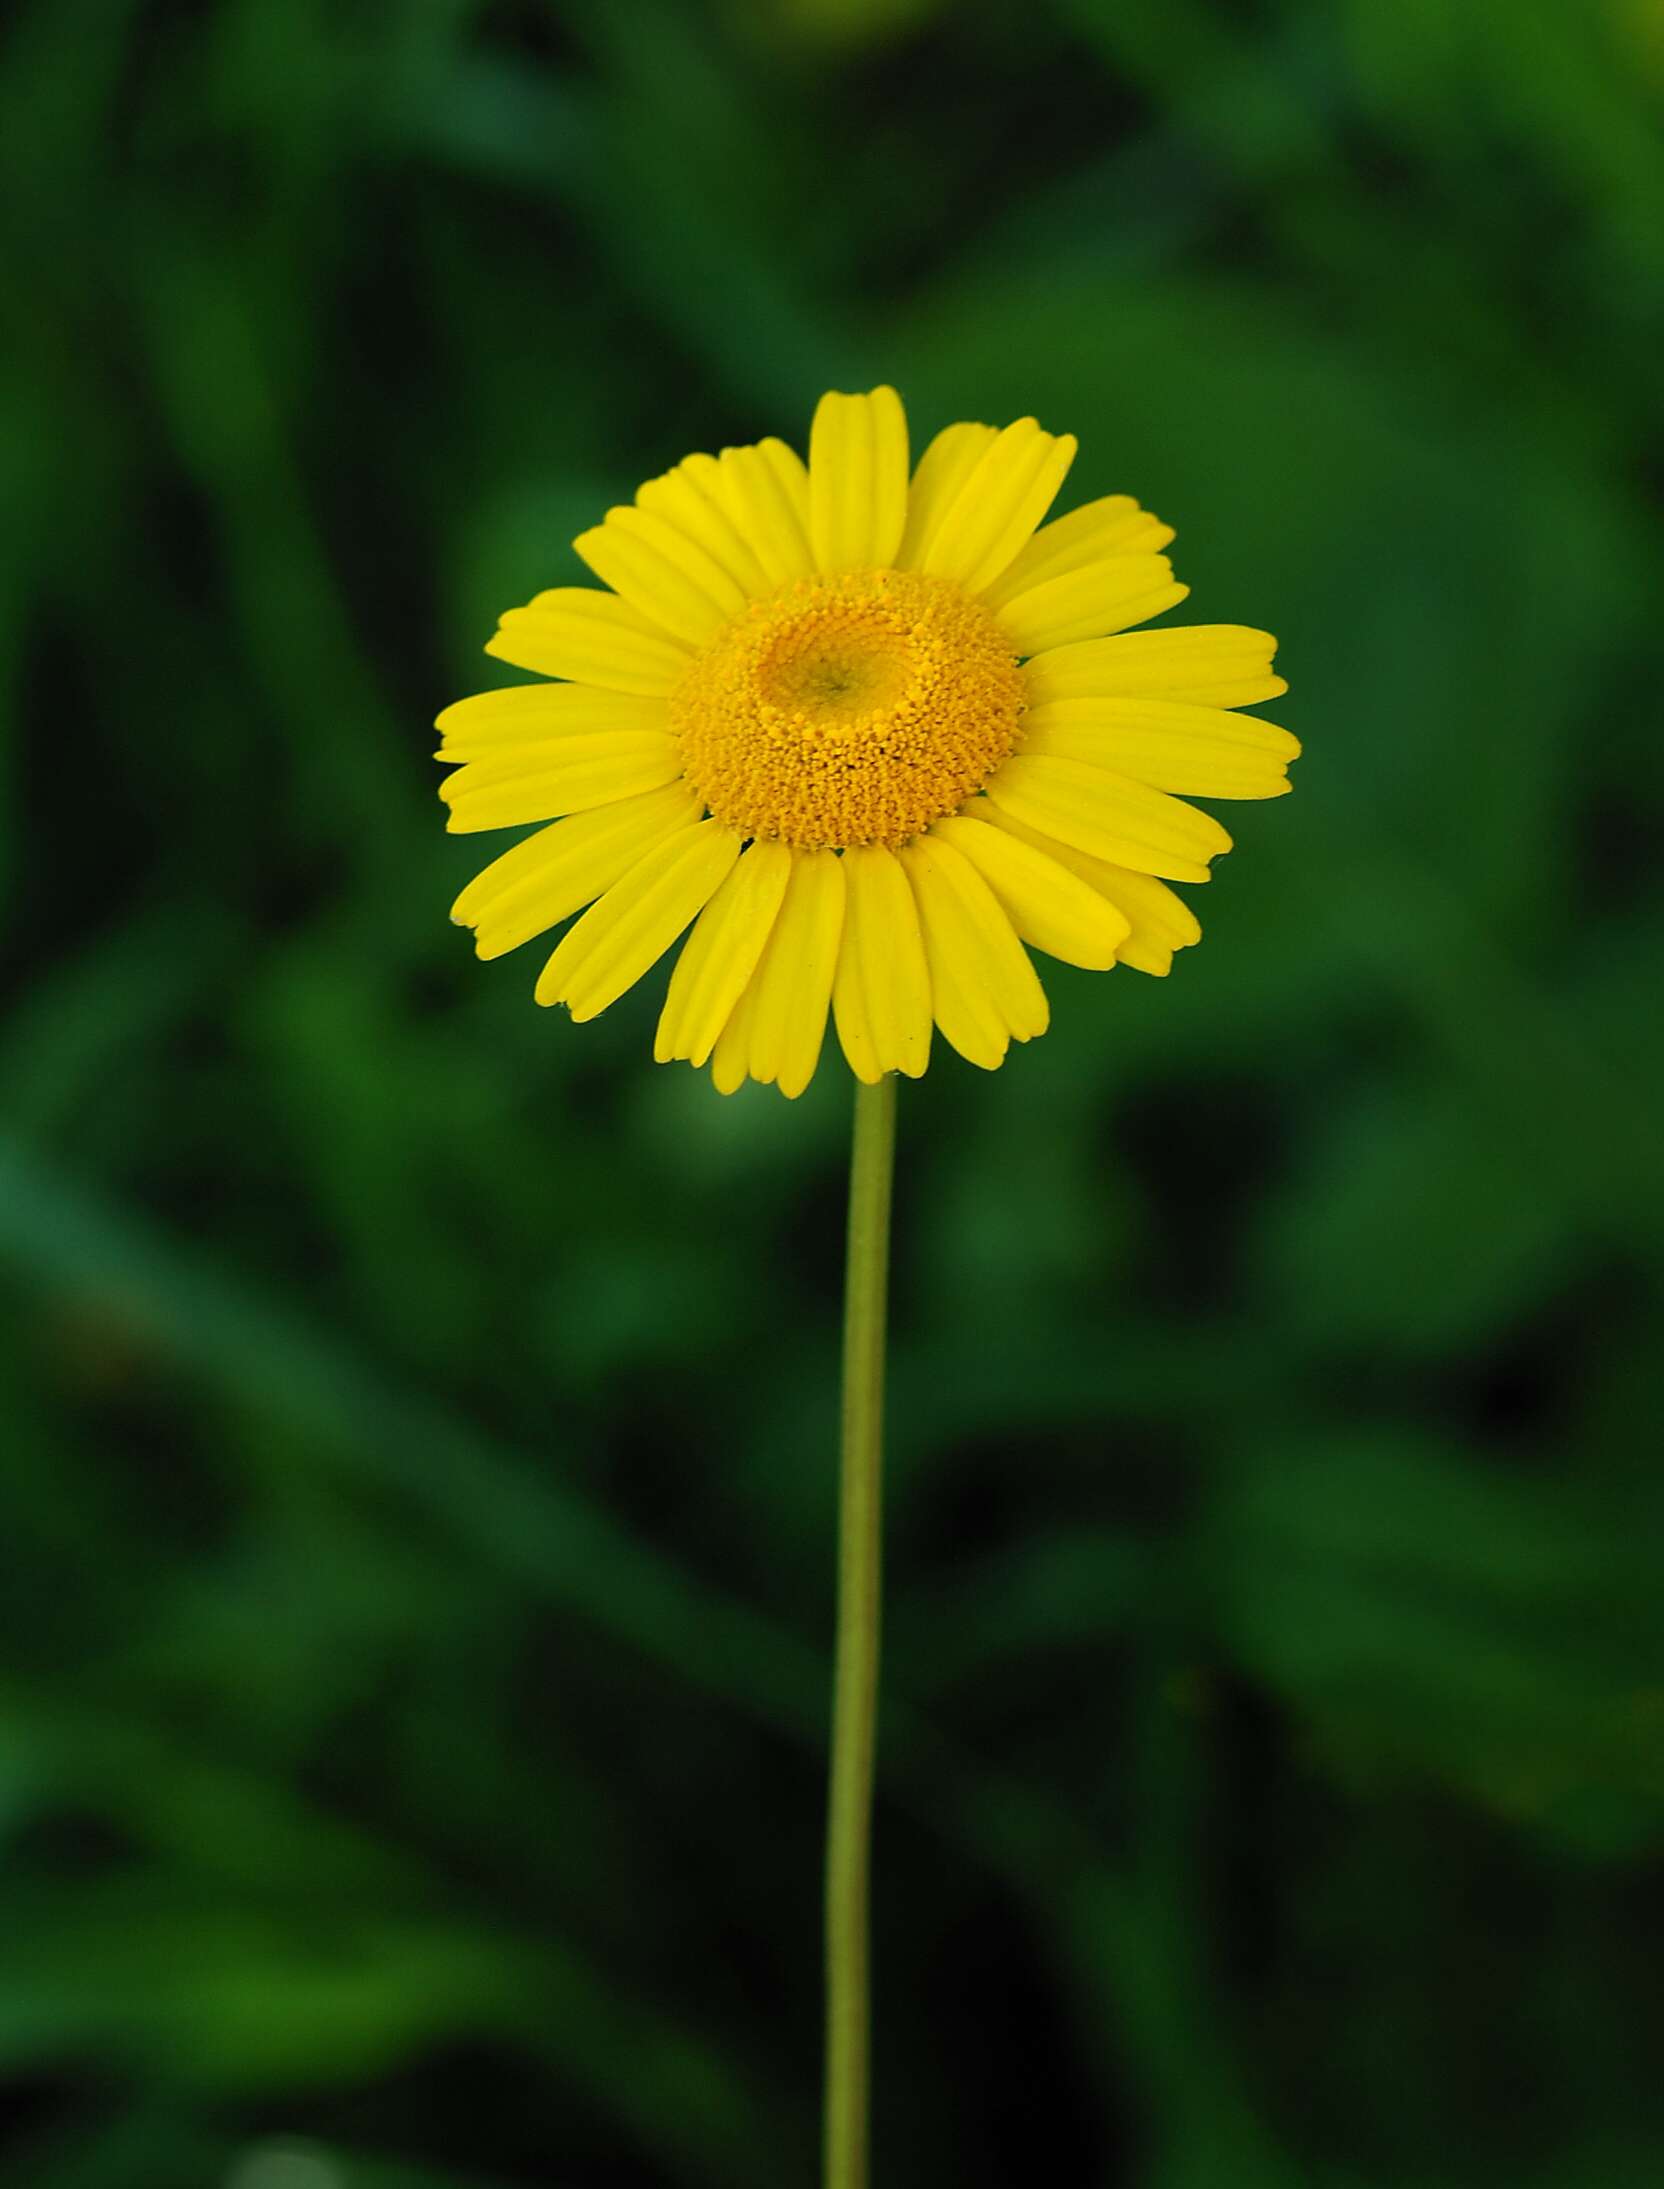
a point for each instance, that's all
(868, 732)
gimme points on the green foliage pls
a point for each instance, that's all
(417, 1496)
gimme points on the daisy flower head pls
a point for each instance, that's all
(868, 730)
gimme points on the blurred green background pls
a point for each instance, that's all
(417, 1498)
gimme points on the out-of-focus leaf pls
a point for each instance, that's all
(1426, 1617)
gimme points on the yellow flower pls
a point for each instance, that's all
(868, 733)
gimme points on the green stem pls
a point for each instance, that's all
(855, 1690)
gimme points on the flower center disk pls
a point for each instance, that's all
(849, 710)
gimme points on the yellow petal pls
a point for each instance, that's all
(765, 490)
(721, 954)
(857, 480)
(1205, 751)
(779, 1024)
(1110, 816)
(494, 722)
(691, 499)
(983, 989)
(591, 637)
(664, 574)
(1156, 930)
(1209, 664)
(543, 778)
(555, 873)
(1003, 497)
(1114, 526)
(730, 1059)
(881, 996)
(1087, 603)
(1160, 921)
(942, 470)
(628, 930)
(1047, 905)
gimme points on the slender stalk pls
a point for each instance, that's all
(855, 1689)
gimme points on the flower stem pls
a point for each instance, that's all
(855, 1689)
